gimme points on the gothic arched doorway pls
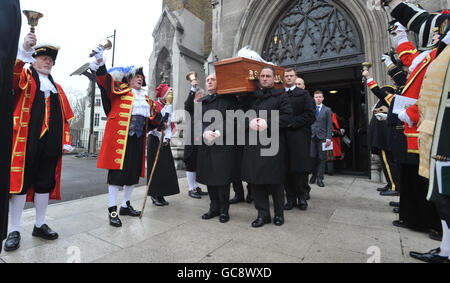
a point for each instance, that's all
(321, 40)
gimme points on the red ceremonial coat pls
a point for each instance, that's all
(121, 97)
(337, 151)
(407, 53)
(25, 89)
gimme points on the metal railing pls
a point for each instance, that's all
(80, 138)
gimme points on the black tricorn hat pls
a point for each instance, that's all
(140, 71)
(398, 75)
(46, 49)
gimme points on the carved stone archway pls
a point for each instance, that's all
(260, 16)
(258, 28)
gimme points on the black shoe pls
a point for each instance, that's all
(200, 192)
(430, 257)
(45, 232)
(399, 223)
(394, 204)
(320, 183)
(278, 220)
(157, 201)
(210, 215)
(396, 210)
(224, 218)
(249, 198)
(12, 242)
(129, 211)
(194, 194)
(390, 193)
(114, 217)
(289, 206)
(163, 201)
(435, 235)
(302, 204)
(312, 180)
(237, 199)
(307, 196)
(384, 189)
(259, 222)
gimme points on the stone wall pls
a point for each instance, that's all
(202, 9)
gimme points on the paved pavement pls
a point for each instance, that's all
(346, 220)
(81, 178)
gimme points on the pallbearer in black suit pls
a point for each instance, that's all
(298, 137)
(264, 167)
(218, 163)
(10, 22)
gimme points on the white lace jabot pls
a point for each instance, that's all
(140, 104)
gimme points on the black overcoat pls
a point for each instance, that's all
(298, 134)
(269, 170)
(10, 23)
(219, 165)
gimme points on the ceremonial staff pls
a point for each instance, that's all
(169, 102)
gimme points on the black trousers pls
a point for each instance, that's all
(319, 158)
(391, 170)
(296, 186)
(260, 195)
(415, 210)
(220, 199)
(238, 189)
(41, 172)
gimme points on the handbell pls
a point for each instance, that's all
(192, 76)
(33, 18)
(105, 44)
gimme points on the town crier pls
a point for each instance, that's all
(128, 109)
(164, 180)
(41, 135)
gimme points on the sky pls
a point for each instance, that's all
(78, 26)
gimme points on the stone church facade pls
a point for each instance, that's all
(324, 40)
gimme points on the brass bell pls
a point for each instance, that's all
(191, 76)
(33, 18)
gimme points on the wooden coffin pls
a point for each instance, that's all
(240, 75)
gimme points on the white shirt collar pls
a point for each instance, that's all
(291, 89)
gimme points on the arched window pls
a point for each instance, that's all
(314, 34)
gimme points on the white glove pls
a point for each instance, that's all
(381, 116)
(68, 147)
(99, 50)
(403, 116)
(400, 34)
(168, 109)
(209, 136)
(387, 60)
(400, 27)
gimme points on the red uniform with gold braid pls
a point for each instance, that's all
(408, 53)
(112, 152)
(25, 88)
